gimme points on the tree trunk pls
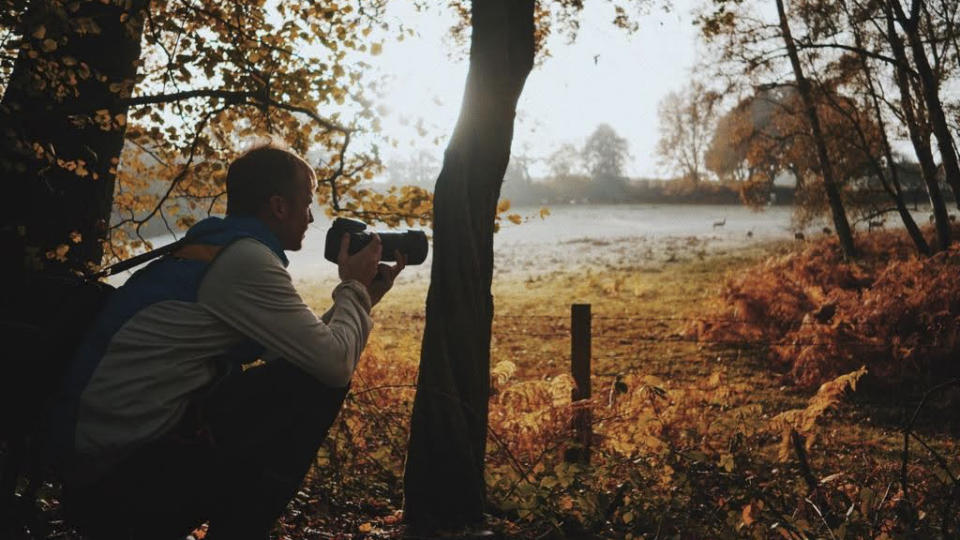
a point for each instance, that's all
(826, 168)
(931, 95)
(893, 188)
(919, 135)
(61, 132)
(444, 475)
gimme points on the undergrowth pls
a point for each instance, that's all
(695, 434)
(822, 316)
(723, 407)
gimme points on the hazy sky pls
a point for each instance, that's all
(565, 97)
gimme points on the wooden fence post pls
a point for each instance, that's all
(580, 369)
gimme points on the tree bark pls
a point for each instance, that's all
(444, 474)
(930, 87)
(62, 123)
(826, 169)
(919, 134)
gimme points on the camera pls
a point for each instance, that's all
(413, 244)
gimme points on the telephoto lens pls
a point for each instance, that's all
(413, 244)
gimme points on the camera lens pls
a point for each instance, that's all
(413, 244)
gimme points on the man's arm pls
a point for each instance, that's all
(248, 288)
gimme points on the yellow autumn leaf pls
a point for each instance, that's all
(376, 49)
(747, 515)
(61, 252)
(515, 218)
(48, 45)
(502, 371)
(365, 528)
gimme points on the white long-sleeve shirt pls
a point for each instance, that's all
(167, 351)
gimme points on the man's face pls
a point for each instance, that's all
(297, 217)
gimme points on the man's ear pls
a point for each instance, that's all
(278, 206)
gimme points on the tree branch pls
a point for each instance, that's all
(857, 50)
(186, 166)
(234, 97)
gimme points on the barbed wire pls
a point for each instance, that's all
(421, 318)
(635, 317)
(628, 338)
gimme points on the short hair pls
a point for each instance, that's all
(260, 173)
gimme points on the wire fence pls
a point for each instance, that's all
(678, 330)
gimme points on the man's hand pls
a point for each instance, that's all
(384, 278)
(362, 265)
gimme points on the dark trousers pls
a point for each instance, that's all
(236, 459)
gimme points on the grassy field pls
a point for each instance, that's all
(689, 441)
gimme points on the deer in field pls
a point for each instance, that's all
(875, 224)
(720, 223)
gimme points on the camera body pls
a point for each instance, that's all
(413, 244)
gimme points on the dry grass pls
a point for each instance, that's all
(687, 442)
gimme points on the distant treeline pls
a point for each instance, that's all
(584, 190)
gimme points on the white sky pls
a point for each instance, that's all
(565, 97)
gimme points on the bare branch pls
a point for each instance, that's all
(235, 97)
(186, 167)
(858, 50)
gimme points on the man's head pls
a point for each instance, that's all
(275, 186)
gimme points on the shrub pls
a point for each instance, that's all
(818, 316)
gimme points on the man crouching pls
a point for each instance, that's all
(161, 429)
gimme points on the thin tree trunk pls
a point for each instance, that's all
(893, 187)
(444, 473)
(931, 95)
(919, 135)
(826, 168)
(61, 132)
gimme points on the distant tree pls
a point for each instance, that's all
(765, 137)
(518, 184)
(421, 169)
(605, 153)
(895, 58)
(518, 169)
(564, 161)
(756, 44)
(726, 154)
(686, 119)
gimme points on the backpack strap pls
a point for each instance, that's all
(197, 252)
(138, 260)
(184, 243)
